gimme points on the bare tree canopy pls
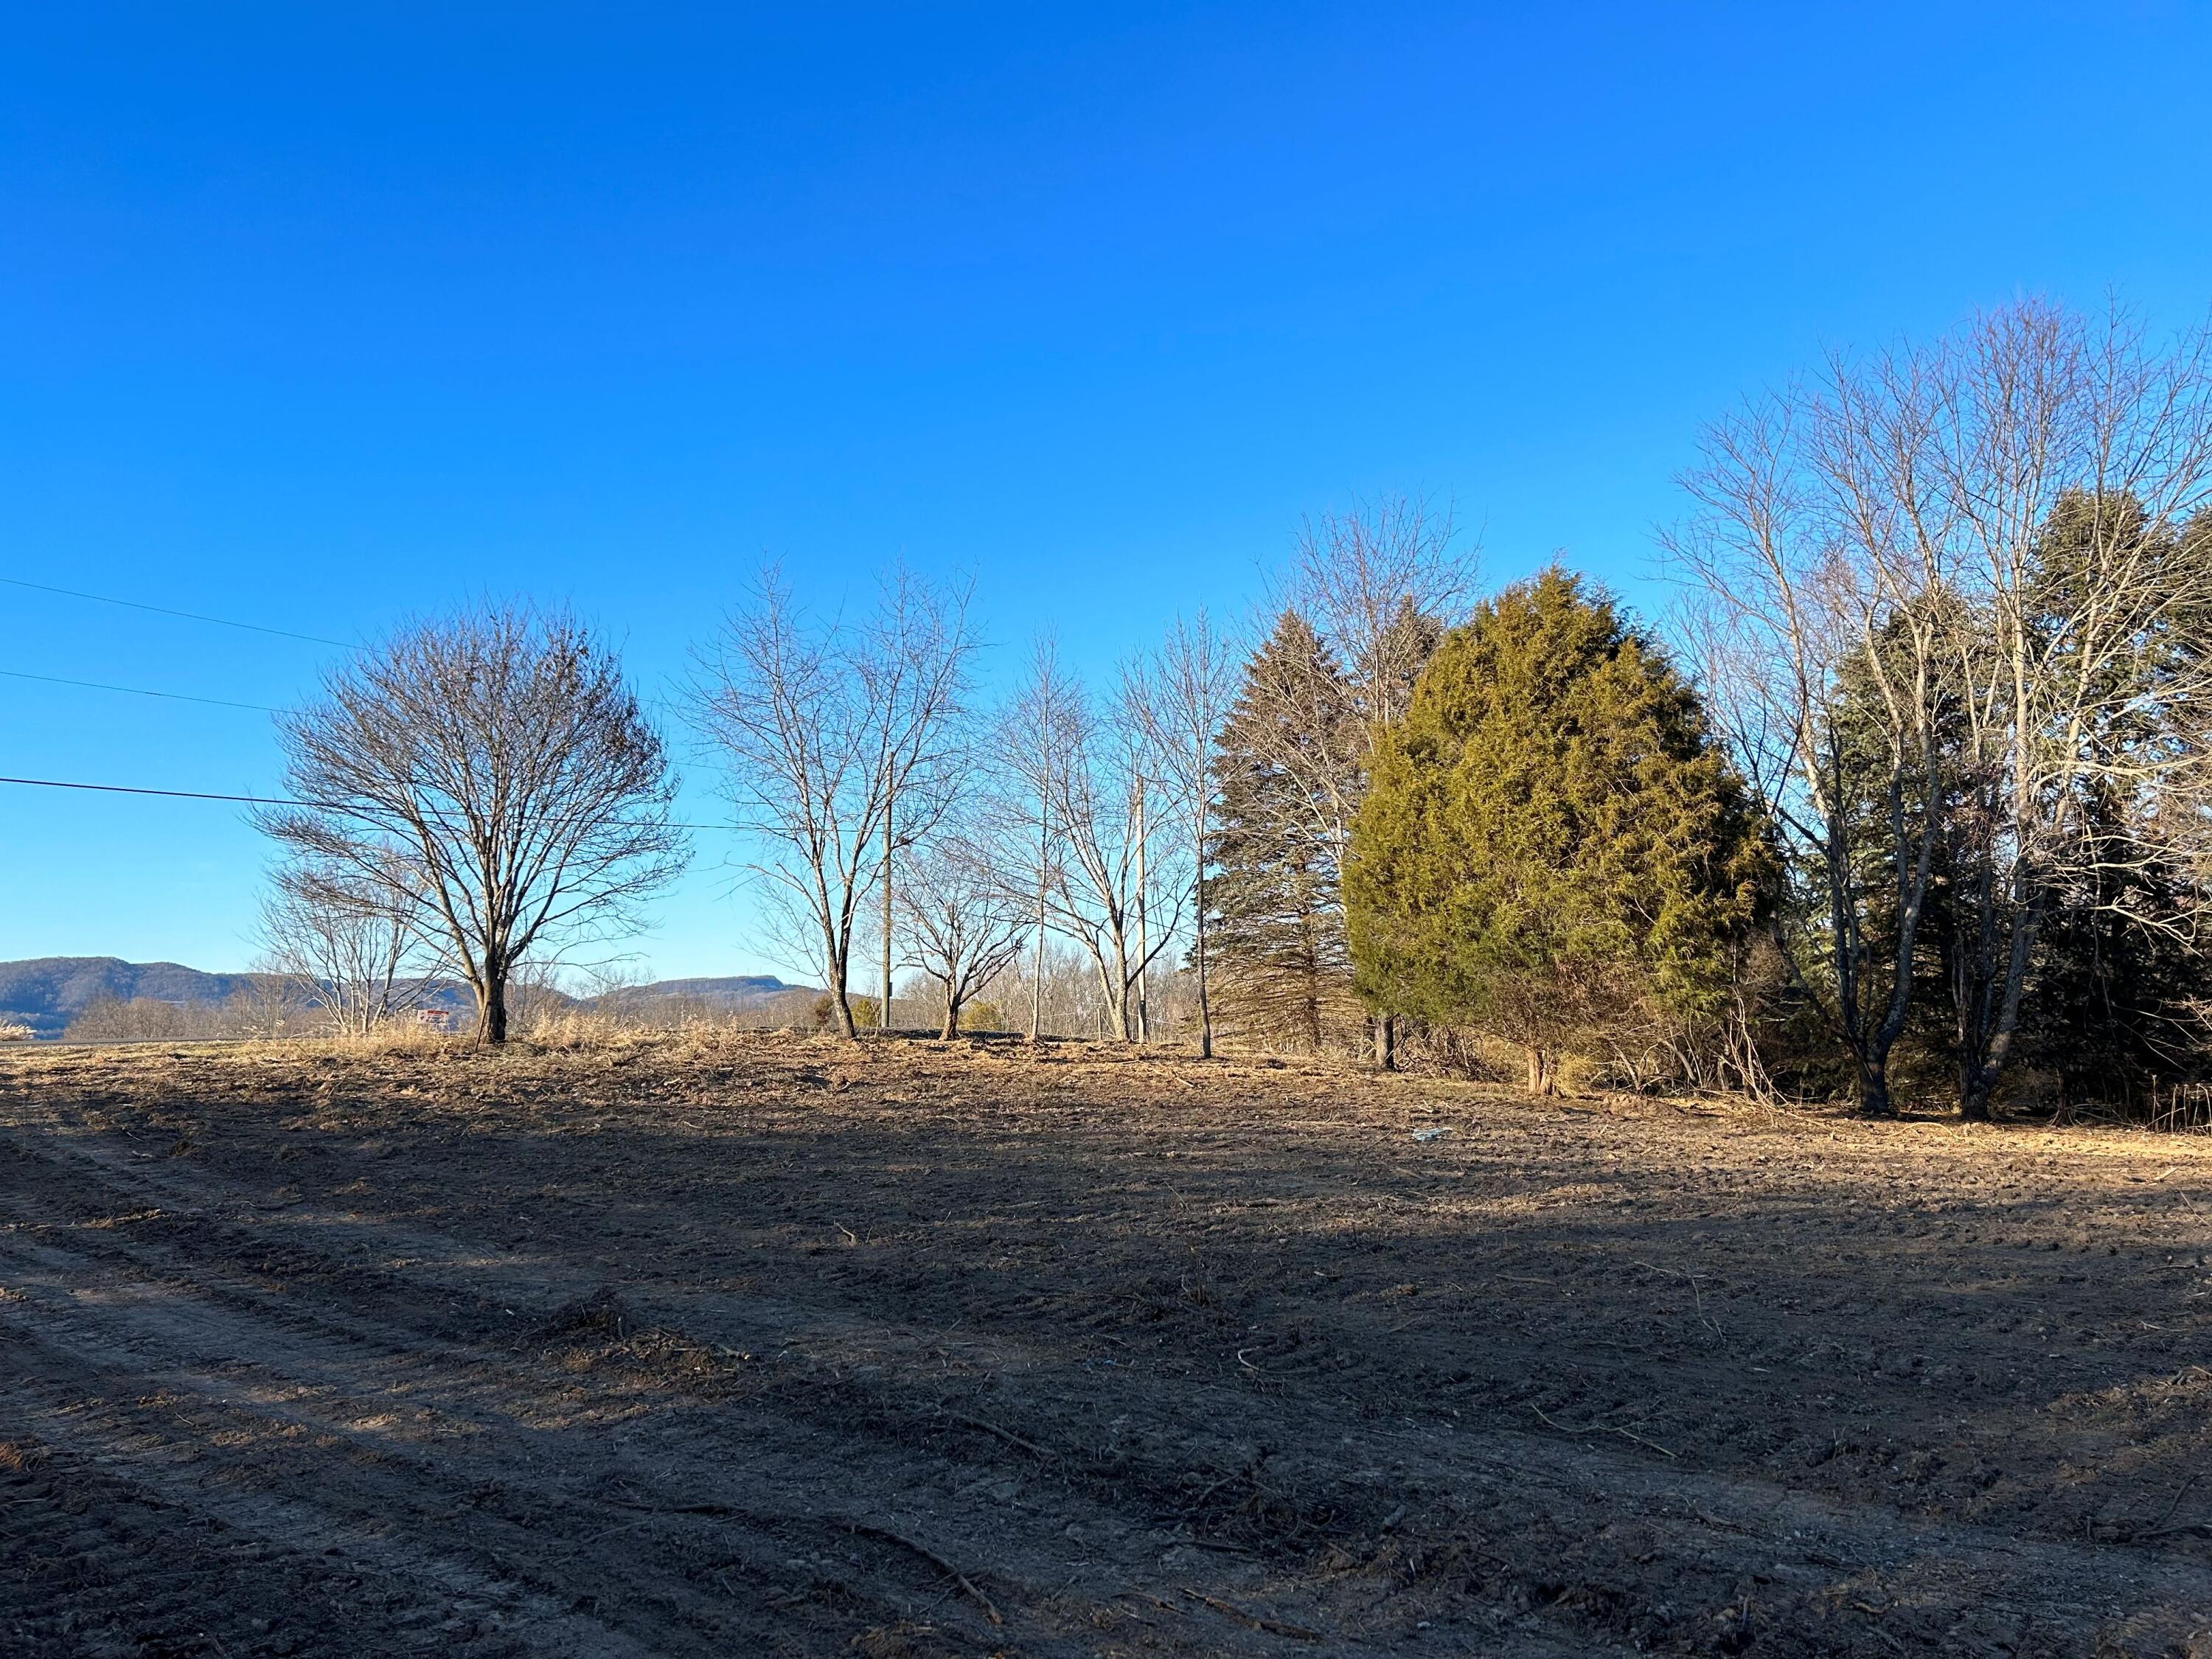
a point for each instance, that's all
(345, 947)
(1179, 697)
(1956, 606)
(839, 743)
(1114, 891)
(1032, 739)
(963, 927)
(492, 776)
(1381, 583)
(1082, 825)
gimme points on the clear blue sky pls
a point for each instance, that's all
(320, 317)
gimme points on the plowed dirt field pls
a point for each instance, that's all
(775, 1346)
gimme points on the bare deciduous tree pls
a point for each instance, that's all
(1822, 671)
(1032, 739)
(839, 743)
(1073, 803)
(345, 947)
(494, 779)
(963, 927)
(1880, 553)
(1180, 698)
(1380, 583)
(1112, 892)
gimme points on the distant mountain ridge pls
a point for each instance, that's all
(737, 990)
(46, 992)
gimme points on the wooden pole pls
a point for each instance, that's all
(883, 1012)
(1044, 859)
(1144, 946)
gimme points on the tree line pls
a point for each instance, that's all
(1910, 794)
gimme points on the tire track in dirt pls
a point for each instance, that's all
(163, 1332)
(78, 1575)
(195, 1257)
(311, 1471)
(374, 1453)
(90, 1329)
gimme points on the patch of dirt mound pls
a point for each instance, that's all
(602, 1332)
(601, 1317)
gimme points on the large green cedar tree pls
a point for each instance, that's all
(1551, 845)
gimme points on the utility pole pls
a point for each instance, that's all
(1044, 860)
(1144, 952)
(884, 1010)
(1198, 848)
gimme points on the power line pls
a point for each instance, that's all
(194, 616)
(243, 800)
(168, 795)
(189, 616)
(138, 691)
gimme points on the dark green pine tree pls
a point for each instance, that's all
(2114, 1005)
(1275, 933)
(1550, 843)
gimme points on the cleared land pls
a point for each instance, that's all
(776, 1347)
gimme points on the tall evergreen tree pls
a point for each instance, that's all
(2114, 1003)
(1277, 930)
(1551, 841)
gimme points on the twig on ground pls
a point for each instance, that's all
(1603, 1428)
(935, 1560)
(2174, 1505)
(1214, 1486)
(1698, 1294)
(1006, 1435)
(2162, 1530)
(1253, 1620)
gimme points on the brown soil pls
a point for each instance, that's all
(777, 1347)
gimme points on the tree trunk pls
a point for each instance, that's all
(1205, 1003)
(952, 1015)
(1868, 1040)
(492, 1010)
(1543, 1072)
(1873, 1092)
(1385, 1043)
(839, 993)
(1989, 1015)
